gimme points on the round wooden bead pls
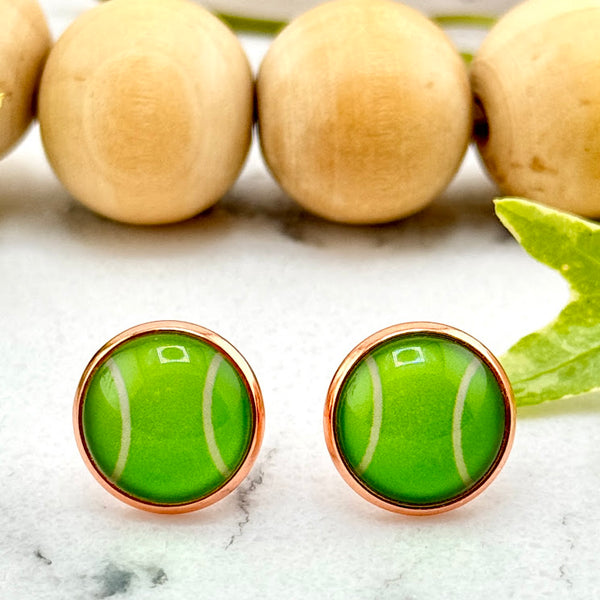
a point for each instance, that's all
(536, 80)
(24, 45)
(364, 110)
(146, 109)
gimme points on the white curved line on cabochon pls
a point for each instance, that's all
(377, 416)
(459, 407)
(209, 430)
(125, 419)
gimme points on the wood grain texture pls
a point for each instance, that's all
(537, 80)
(146, 110)
(24, 45)
(364, 110)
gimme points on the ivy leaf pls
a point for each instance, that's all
(563, 358)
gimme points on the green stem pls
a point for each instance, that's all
(251, 25)
(475, 21)
(467, 57)
(272, 27)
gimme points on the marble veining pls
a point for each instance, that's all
(244, 494)
(113, 580)
(389, 587)
(564, 575)
(44, 559)
(105, 581)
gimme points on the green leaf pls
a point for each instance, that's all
(563, 358)
(272, 27)
(475, 21)
(252, 25)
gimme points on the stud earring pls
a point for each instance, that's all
(169, 417)
(419, 418)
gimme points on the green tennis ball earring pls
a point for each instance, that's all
(419, 418)
(169, 417)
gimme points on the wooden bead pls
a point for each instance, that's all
(146, 109)
(24, 45)
(536, 79)
(364, 110)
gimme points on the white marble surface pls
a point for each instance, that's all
(294, 294)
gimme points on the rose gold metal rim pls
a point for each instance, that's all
(219, 344)
(352, 360)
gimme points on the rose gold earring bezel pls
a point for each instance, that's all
(347, 367)
(220, 345)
